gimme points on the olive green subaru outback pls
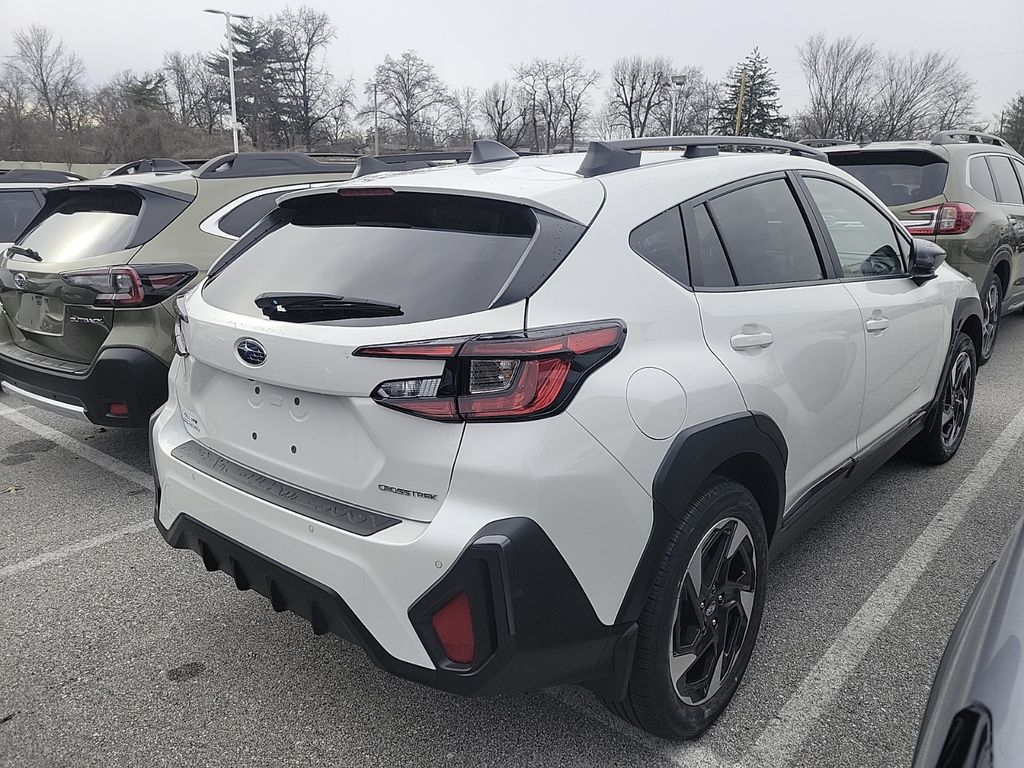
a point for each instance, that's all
(87, 289)
(963, 190)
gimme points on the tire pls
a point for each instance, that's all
(723, 515)
(941, 441)
(991, 297)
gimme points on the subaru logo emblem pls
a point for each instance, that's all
(251, 352)
(20, 280)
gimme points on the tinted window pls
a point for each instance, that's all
(765, 235)
(85, 224)
(660, 241)
(1007, 185)
(897, 177)
(434, 255)
(863, 237)
(981, 178)
(241, 219)
(708, 265)
(16, 211)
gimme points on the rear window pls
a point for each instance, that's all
(901, 177)
(84, 224)
(1007, 185)
(434, 255)
(17, 209)
(241, 219)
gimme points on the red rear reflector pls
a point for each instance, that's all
(118, 409)
(453, 625)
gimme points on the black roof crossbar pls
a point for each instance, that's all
(607, 156)
(154, 165)
(968, 137)
(822, 143)
(38, 176)
(484, 151)
(252, 164)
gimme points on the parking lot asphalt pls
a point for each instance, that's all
(117, 651)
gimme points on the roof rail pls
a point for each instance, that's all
(608, 156)
(968, 137)
(38, 176)
(155, 165)
(484, 151)
(822, 143)
(250, 164)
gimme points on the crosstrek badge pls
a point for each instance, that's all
(407, 492)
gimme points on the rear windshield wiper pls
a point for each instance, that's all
(313, 307)
(28, 253)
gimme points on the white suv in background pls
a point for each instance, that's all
(543, 420)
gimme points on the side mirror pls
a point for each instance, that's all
(925, 258)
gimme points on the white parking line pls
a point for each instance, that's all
(790, 727)
(77, 447)
(74, 548)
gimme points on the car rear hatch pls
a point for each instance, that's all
(287, 392)
(909, 181)
(57, 285)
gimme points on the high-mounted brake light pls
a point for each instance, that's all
(499, 377)
(365, 191)
(124, 286)
(944, 219)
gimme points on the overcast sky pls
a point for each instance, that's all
(476, 43)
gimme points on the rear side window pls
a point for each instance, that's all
(1007, 184)
(660, 241)
(708, 263)
(766, 236)
(899, 177)
(981, 178)
(17, 209)
(241, 219)
(84, 224)
(434, 255)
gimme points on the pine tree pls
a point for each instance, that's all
(1012, 129)
(761, 112)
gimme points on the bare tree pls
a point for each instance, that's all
(54, 74)
(464, 107)
(637, 90)
(697, 105)
(408, 89)
(842, 80)
(921, 94)
(504, 113)
(574, 84)
(556, 96)
(307, 82)
(195, 91)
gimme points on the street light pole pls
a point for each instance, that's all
(231, 66)
(675, 84)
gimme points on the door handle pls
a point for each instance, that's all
(876, 324)
(762, 339)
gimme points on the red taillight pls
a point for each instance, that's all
(945, 219)
(499, 377)
(125, 286)
(453, 625)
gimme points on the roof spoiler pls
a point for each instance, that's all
(608, 156)
(38, 176)
(484, 151)
(237, 165)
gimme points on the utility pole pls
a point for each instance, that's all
(376, 128)
(739, 103)
(231, 66)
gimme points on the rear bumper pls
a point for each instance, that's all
(119, 375)
(533, 624)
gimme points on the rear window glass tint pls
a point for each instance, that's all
(17, 209)
(1007, 185)
(434, 255)
(709, 267)
(897, 178)
(766, 236)
(981, 178)
(84, 224)
(240, 220)
(660, 241)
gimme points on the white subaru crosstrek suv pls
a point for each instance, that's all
(530, 421)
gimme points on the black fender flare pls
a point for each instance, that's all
(693, 456)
